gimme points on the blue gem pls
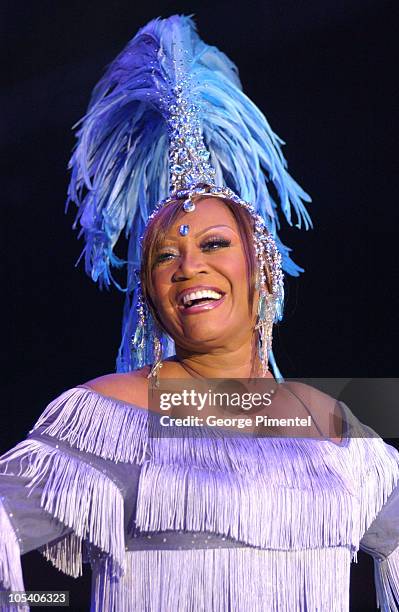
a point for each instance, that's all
(203, 154)
(188, 206)
(177, 169)
(183, 230)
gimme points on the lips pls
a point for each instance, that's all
(199, 299)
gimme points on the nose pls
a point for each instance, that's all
(191, 263)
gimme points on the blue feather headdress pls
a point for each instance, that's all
(120, 168)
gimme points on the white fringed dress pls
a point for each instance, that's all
(198, 521)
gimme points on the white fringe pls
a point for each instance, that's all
(78, 495)
(97, 424)
(222, 580)
(288, 494)
(386, 573)
(66, 555)
(378, 477)
(11, 578)
(260, 491)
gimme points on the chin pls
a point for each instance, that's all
(204, 333)
(203, 336)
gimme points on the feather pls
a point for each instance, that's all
(119, 168)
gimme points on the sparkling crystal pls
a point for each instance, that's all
(191, 142)
(177, 169)
(184, 229)
(203, 154)
(188, 206)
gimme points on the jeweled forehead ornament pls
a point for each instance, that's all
(164, 97)
(191, 175)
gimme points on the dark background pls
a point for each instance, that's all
(324, 73)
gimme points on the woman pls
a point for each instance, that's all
(195, 518)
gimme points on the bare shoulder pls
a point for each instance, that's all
(310, 394)
(325, 409)
(131, 387)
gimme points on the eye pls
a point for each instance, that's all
(165, 256)
(215, 242)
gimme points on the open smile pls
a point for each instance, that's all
(200, 299)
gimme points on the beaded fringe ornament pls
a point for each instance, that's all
(170, 119)
(147, 337)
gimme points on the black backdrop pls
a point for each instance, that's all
(324, 74)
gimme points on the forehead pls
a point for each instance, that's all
(208, 212)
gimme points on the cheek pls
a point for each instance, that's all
(232, 258)
(161, 284)
(235, 269)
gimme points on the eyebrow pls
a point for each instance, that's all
(212, 227)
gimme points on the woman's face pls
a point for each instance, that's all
(200, 280)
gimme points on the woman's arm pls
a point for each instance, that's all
(65, 485)
(24, 525)
(381, 541)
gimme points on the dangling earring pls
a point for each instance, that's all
(139, 336)
(157, 363)
(146, 328)
(264, 327)
(267, 301)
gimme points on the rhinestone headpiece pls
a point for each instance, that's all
(191, 175)
(189, 163)
(168, 108)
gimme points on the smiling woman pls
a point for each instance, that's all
(195, 517)
(211, 267)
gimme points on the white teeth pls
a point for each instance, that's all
(198, 295)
